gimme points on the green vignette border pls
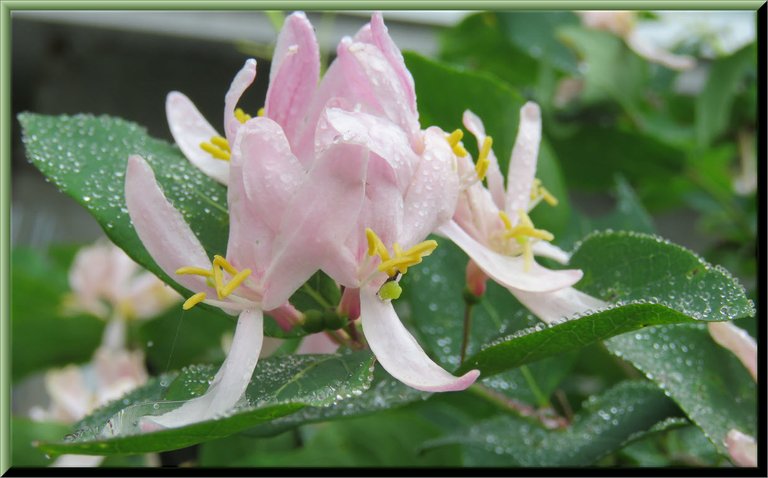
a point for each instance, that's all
(8, 6)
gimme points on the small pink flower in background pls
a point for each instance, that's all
(492, 225)
(742, 448)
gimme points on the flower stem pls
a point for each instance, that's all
(546, 416)
(540, 398)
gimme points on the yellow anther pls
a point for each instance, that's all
(398, 264)
(241, 115)
(215, 151)
(193, 301)
(260, 112)
(505, 220)
(454, 138)
(481, 168)
(197, 271)
(375, 246)
(235, 282)
(221, 142)
(217, 259)
(539, 191)
(422, 249)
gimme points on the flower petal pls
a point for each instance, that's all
(317, 223)
(376, 34)
(230, 382)
(161, 228)
(738, 341)
(399, 353)
(373, 82)
(240, 83)
(271, 173)
(522, 164)
(510, 271)
(474, 124)
(318, 343)
(294, 74)
(546, 249)
(434, 190)
(189, 128)
(559, 304)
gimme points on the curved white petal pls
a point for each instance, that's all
(546, 249)
(738, 341)
(522, 164)
(77, 461)
(189, 128)
(231, 380)
(240, 83)
(559, 304)
(399, 353)
(161, 228)
(510, 271)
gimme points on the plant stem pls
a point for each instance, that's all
(546, 416)
(540, 398)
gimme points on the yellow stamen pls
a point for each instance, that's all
(197, 271)
(235, 282)
(422, 249)
(193, 301)
(401, 264)
(505, 220)
(528, 255)
(221, 142)
(241, 115)
(481, 168)
(218, 279)
(214, 151)
(375, 246)
(219, 260)
(454, 138)
(539, 191)
(260, 112)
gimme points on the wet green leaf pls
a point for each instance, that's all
(603, 425)
(280, 386)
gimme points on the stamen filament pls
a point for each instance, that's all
(218, 279)
(193, 301)
(215, 152)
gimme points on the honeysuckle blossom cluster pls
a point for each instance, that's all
(337, 175)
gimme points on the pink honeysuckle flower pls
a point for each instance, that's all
(366, 102)
(108, 284)
(75, 391)
(492, 225)
(738, 341)
(270, 253)
(742, 448)
(293, 78)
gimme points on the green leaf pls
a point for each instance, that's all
(603, 425)
(711, 386)
(713, 105)
(280, 386)
(648, 281)
(43, 336)
(389, 438)
(536, 34)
